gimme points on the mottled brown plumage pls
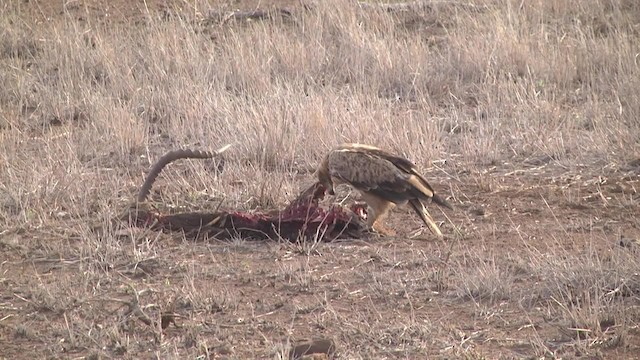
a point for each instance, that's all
(384, 180)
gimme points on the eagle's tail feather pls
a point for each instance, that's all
(441, 201)
(421, 210)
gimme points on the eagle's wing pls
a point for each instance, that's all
(379, 173)
(417, 180)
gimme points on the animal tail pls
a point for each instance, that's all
(170, 157)
(421, 210)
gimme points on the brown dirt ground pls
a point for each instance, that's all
(371, 295)
(384, 296)
(121, 9)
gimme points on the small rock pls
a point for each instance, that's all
(316, 349)
(315, 357)
(632, 244)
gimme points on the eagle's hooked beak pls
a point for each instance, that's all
(325, 181)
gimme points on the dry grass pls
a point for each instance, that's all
(525, 113)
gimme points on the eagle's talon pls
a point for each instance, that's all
(383, 230)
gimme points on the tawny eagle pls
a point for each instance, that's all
(384, 180)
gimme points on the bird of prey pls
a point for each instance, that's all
(384, 180)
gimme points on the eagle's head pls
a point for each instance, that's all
(324, 177)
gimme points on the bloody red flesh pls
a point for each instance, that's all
(302, 218)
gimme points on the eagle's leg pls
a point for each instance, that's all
(377, 214)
